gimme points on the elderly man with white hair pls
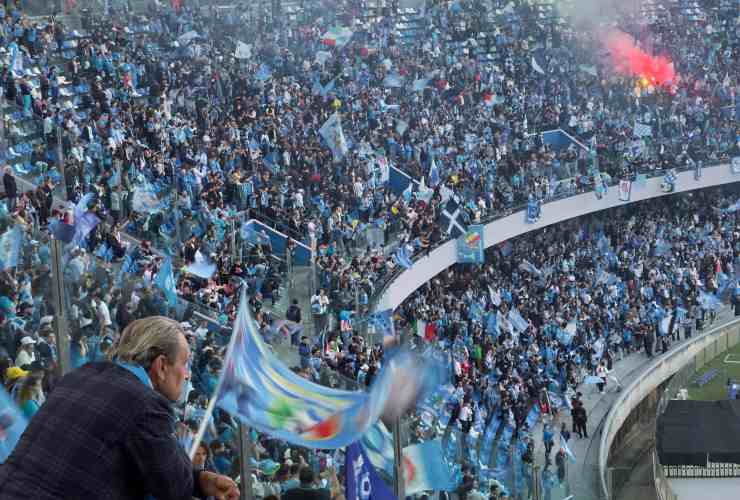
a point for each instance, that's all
(107, 430)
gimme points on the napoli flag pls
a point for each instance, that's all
(425, 468)
(333, 134)
(267, 395)
(12, 425)
(362, 481)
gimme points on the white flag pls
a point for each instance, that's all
(243, 51)
(537, 67)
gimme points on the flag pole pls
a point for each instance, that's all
(214, 397)
(60, 312)
(398, 479)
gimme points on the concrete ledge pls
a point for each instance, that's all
(554, 212)
(650, 378)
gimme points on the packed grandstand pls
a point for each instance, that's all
(302, 156)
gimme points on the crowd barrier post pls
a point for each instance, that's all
(232, 242)
(60, 311)
(245, 456)
(2, 119)
(60, 161)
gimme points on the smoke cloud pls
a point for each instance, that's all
(630, 60)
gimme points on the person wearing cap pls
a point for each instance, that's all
(12, 375)
(129, 422)
(26, 354)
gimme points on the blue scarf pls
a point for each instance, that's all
(139, 372)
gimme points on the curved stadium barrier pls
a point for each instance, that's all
(425, 268)
(680, 362)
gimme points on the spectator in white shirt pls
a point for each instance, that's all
(26, 354)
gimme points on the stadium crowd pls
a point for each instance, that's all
(219, 117)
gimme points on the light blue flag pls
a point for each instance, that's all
(567, 450)
(383, 322)
(433, 174)
(332, 133)
(263, 73)
(10, 247)
(662, 247)
(425, 464)
(329, 87)
(519, 323)
(378, 445)
(144, 200)
(420, 84)
(530, 268)
(402, 258)
(165, 280)
(12, 425)
(426, 468)
(201, 267)
(264, 393)
(492, 325)
(709, 301)
(533, 416)
(393, 80)
(84, 226)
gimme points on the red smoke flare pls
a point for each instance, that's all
(628, 59)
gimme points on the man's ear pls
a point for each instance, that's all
(156, 370)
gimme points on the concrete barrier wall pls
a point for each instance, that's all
(513, 225)
(650, 379)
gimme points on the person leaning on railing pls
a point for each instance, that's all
(107, 430)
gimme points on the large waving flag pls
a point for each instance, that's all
(145, 200)
(333, 134)
(12, 425)
(265, 394)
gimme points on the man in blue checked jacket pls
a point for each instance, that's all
(107, 430)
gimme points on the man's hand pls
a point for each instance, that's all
(218, 486)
